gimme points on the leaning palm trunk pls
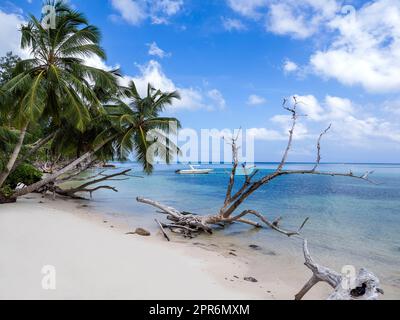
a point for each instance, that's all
(53, 177)
(13, 158)
(35, 147)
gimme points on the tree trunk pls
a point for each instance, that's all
(35, 148)
(54, 176)
(14, 155)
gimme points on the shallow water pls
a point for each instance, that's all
(351, 221)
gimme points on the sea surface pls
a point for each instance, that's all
(352, 222)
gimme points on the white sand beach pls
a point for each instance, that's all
(95, 261)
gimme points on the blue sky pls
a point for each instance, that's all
(234, 61)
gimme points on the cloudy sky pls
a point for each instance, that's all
(234, 61)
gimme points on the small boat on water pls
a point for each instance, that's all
(193, 170)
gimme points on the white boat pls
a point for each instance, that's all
(193, 170)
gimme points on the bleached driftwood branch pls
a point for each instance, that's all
(92, 180)
(366, 284)
(233, 201)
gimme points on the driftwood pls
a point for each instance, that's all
(84, 187)
(365, 287)
(189, 224)
(98, 178)
(162, 229)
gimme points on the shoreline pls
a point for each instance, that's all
(97, 260)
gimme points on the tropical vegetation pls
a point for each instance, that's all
(60, 115)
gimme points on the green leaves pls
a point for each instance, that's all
(143, 129)
(55, 83)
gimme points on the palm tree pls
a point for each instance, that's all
(55, 83)
(136, 125)
(144, 128)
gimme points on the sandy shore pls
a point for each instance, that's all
(94, 260)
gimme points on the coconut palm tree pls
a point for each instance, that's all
(55, 83)
(144, 128)
(124, 127)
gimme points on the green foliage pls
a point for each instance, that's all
(25, 173)
(7, 66)
(141, 117)
(6, 191)
(55, 83)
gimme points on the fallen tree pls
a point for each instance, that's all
(365, 287)
(189, 224)
(85, 187)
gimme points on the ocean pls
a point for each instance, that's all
(352, 222)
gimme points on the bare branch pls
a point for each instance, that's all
(291, 131)
(364, 177)
(231, 183)
(319, 147)
(367, 284)
(169, 210)
(162, 229)
(84, 187)
(273, 225)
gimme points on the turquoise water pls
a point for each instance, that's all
(351, 221)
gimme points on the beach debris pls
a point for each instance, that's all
(162, 229)
(105, 221)
(255, 247)
(190, 224)
(250, 279)
(89, 181)
(140, 232)
(366, 283)
(108, 165)
(232, 253)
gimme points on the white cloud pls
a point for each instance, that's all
(10, 36)
(350, 126)
(233, 24)
(155, 50)
(133, 12)
(255, 100)
(348, 122)
(285, 122)
(247, 8)
(290, 66)
(364, 43)
(367, 50)
(191, 98)
(96, 62)
(137, 11)
(299, 19)
(265, 134)
(392, 106)
(217, 97)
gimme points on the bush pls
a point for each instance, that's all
(5, 195)
(25, 173)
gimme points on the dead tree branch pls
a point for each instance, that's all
(189, 224)
(232, 202)
(366, 284)
(72, 192)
